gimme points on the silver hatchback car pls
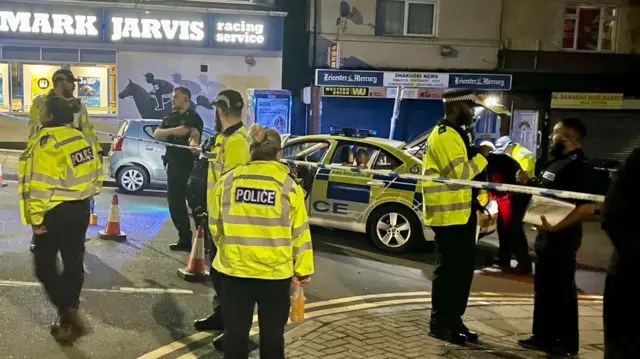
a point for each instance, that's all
(136, 165)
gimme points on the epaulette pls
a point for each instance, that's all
(44, 139)
(442, 129)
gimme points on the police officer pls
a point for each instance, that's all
(183, 126)
(259, 223)
(229, 150)
(59, 172)
(525, 158)
(448, 210)
(555, 317)
(619, 218)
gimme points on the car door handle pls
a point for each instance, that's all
(148, 148)
(376, 183)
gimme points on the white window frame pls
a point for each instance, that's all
(603, 18)
(406, 18)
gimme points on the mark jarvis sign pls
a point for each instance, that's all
(135, 28)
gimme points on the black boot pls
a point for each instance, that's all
(447, 335)
(181, 246)
(212, 322)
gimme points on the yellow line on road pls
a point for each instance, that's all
(482, 297)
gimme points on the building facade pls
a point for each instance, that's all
(129, 58)
(368, 52)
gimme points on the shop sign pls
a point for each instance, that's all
(349, 78)
(587, 101)
(413, 93)
(335, 91)
(156, 29)
(496, 82)
(240, 32)
(416, 79)
(23, 22)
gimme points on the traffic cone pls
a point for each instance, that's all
(112, 227)
(2, 184)
(196, 270)
(93, 217)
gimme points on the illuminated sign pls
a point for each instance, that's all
(345, 91)
(44, 23)
(136, 28)
(240, 32)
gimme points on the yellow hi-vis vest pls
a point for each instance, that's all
(525, 158)
(61, 164)
(228, 152)
(446, 157)
(81, 120)
(258, 221)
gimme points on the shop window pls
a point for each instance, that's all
(310, 151)
(21, 83)
(406, 17)
(589, 28)
(354, 155)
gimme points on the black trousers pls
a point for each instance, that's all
(217, 286)
(511, 237)
(555, 314)
(455, 257)
(621, 331)
(66, 226)
(178, 173)
(239, 297)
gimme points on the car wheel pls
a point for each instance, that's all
(132, 179)
(395, 228)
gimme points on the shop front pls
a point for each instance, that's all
(366, 100)
(129, 60)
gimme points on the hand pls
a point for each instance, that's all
(39, 229)
(485, 150)
(195, 150)
(522, 177)
(302, 280)
(546, 226)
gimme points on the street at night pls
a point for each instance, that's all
(139, 307)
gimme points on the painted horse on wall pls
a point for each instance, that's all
(147, 104)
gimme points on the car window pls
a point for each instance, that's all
(387, 162)
(310, 151)
(354, 154)
(149, 129)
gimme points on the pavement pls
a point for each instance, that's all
(139, 307)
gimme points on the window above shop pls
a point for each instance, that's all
(406, 18)
(589, 28)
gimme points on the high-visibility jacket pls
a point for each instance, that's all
(230, 149)
(60, 165)
(446, 157)
(525, 158)
(81, 120)
(258, 221)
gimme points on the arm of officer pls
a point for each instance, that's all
(584, 183)
(528, 164)
(214, 207)
(34, 117)
(86, 125)
(236, 153)
(45, 178)
(452, 157)
(301, 234)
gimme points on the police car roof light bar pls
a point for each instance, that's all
(352, 132)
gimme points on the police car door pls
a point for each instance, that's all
(341, 197)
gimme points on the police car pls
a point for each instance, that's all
(387, 208)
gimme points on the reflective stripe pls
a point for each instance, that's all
(447, 207)
(254, 221)
(465, 171)
(68, 140)
(38, 194)
(304, 247)
(260, 178)
(211, 185)
(430, 172)
(253, 241)
(70, 181)
(442, 188)
(297, 231)
(451, 166)
(474, 167)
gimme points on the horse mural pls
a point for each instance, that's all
(147, 105)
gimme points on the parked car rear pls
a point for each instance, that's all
(137, 165)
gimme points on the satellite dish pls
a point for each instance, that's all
(345, 9)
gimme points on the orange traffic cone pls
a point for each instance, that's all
(93, 217)
(112, 227)
(2, 184)
(196, 270)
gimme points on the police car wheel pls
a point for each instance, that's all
(394, 228)
(132, 179)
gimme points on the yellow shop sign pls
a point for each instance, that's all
(581, 100)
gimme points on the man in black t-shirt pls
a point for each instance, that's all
(555, 316)
(183, 126)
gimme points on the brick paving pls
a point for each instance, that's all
(402, 332)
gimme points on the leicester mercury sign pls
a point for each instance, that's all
(45, 23)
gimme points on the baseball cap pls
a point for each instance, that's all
(502, 143)
(229, 99)
(465, 95)
(488, 144)
(63, 74)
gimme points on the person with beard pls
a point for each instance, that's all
(555, 316)
(229, 150)
(184, 127)
(450, 211)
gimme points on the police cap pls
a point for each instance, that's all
(229, 99)
(63, 74)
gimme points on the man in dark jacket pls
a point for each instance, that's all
(620, 216)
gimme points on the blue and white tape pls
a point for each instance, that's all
(473, 184)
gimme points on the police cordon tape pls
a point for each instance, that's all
(394, 175)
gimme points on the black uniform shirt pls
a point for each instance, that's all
(575, 175)
(190, 119)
